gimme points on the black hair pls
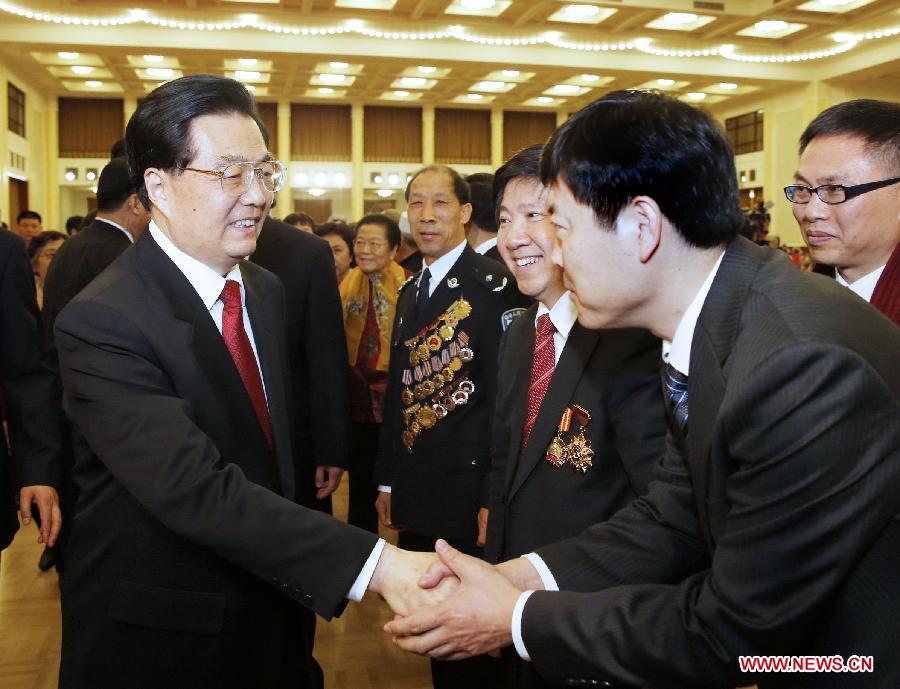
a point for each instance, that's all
(88, 219)
(117, 150)
(482, 202)
(460, 186)
(38, 241)
(341, 229)
(876, 122)
(639, 143)
(25, 215)
(300, 219)
(73, 222)
(158, 134)
(114, 185)
(480, 178)
(523, 164)
(391, 229)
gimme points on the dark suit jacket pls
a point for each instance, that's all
(26, 388)
(776, 530)
(614, 375)
(317, 351)
(438, 488)
(185, 526)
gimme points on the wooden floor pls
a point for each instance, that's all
(352, 649)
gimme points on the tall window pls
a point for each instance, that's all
(745, 132)
(16, 109)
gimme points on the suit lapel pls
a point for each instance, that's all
(270, 349)
(579, 347)
(714, 337)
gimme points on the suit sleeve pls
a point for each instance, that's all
(814, 482)
(500, 433)
(33, 411)
(389, 434)
(326, 363)
(143, 432)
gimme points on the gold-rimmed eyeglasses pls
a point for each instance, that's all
(236, 178)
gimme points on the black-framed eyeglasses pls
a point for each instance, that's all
(236, 178)
(833, 193)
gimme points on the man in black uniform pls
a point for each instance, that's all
(434, 452)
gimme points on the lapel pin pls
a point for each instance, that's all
(452, 283)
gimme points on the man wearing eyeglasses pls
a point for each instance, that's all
(847, 197)
(190, 564)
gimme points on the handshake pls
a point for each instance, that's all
(451, 606)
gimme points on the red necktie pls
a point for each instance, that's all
(239, 347)
(541, 372)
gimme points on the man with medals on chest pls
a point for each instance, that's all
(434, 449)
(577, 438)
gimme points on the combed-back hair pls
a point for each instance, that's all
(638, 143)
(158, 134)
(521, 165)
(460, 186)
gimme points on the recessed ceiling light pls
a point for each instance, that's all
(320, 178)
(377, 178)
(475, 96)
(324, 90)
(666, 82)
(243, 75)
(92, 83)
(401, 94)
(727, 86)
(384, 193)
(696, 95)
(679, 18)
(590, 77)
(413, 82)
(332, 78)
(566, 89)
(153, 58)
(68, 56)
(316, 192)
(770, 25)
(490, 85)
(91, 174)
(302, 179)
(339, 178)
(247, 61)
(71, 174)
(394, 179)
(477, 4)
(511, 73)
(582, 11)
(81, 69)
(339, 65)
(545, 99)
(163, 72)
(427, 69)
(835, 3)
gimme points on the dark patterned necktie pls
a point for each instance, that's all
(542, 366)
(675, 385)
(422, 295)
(242, 353)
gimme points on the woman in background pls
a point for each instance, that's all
(41, 251)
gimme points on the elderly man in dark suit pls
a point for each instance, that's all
(772, 525)
(580, 420)
(26, 403)
(189, 562)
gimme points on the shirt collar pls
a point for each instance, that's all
(206, 281)
(117, 226)
(484, 247)
(563, 314)
(864, 286)
(441, 266)
(678, 351)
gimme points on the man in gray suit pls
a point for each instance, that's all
(772, 525)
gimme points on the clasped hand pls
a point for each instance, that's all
(471, 618)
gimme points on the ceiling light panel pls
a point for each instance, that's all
(401, 95)
(366, 4)
(581, 14)
(84, 86)
(430, 71)
(729, 89)
(158, 73)
(566, 90)
(507, 75)
(663, 84)
(407, 83)
(237, 65)
(589, 80)
(140, 61)
(489, 86)
(325, 92)
(335, 68)
(250, 76)
(330, 79)
(74, 71)
(835, 6)
(479, 8)
(474, 99)
(544, 102)
(706, 100)
(48, 58)
(771, 28)
(680, 21)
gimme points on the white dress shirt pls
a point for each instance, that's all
(209, 285)
(678, 354)
(486, 246)
(865, 286)
(117, 226)
(563, 315)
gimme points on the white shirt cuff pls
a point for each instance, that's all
(517, 625)
(384, 489)
(543, 571)
(358, 590)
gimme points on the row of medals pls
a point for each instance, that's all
(578, 451)
(434, 378)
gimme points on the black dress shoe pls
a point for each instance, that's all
(48, 559)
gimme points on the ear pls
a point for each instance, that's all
(393, 253)
(465, 212)
(649, 220)
(157, 188)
